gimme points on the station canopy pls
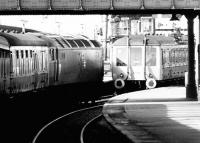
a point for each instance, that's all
(85, 5)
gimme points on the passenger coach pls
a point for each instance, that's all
(147, 60)
(34, 61)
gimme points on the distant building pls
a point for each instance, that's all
(147, 24)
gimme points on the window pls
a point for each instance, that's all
(136, 56)
(26, 52)
(121, 57)
(150, 56)
(52, 54)
(17, 54)
(31, 53)
(22, 54)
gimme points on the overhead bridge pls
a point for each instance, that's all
(13, 6)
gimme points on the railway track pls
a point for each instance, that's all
(67, 128)
(98, 130)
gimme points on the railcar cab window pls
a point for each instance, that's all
(136, 56)
(121, 57)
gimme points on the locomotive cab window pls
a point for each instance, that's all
(121, 57)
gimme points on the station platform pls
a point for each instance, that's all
(155, 115)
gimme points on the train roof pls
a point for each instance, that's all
(151, 40)
(71, 41)
(41, 39)
(22, 39)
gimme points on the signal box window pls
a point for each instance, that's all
(121, 57)
(136, 56)
(150, 56)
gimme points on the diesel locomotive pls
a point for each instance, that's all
(33, 61)
(146, 60)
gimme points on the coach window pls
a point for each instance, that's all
(26, 52)
(22, 54)
(31, 53)
(173, 57)
(17, 54)
(52, 54)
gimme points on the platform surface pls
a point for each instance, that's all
(156, 115)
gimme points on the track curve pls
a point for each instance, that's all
(67, 128)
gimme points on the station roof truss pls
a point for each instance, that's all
(97, 6)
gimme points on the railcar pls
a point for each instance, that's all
(147, 60)
(35, 61)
